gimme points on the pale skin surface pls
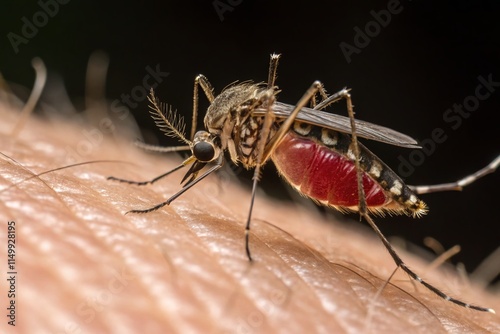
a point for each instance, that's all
(85, 267)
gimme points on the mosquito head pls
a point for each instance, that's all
(204, 148)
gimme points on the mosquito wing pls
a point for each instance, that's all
(342, 124)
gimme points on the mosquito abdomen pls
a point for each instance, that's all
(323, 174)
(328, 176)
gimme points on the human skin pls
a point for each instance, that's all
(83, 266)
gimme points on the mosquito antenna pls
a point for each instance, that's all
(167, 119)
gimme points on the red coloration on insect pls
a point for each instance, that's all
(323, 174)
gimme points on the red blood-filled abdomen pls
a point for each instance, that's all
(323, 174)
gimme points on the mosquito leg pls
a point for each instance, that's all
(261, 145)
(273, 67)
(143, 183)
(203, 82)
(355, 148)
(458, 185)
(249, 218)
(214, 168)
(265, 151)
(324, 96)
(264, 134)
(282, 131)
(327, 100)
(399, 262)
(364, 213)
(271, 79)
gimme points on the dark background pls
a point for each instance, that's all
(426, 59)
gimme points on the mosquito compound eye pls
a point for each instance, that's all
(204, 151)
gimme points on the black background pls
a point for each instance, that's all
(426, 59)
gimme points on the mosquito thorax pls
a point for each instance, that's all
(230, 118)
(204, 148)
(232, 103)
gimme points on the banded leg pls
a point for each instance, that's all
(271, 79)
(193, 181)
(266, 128)
(458, 185)
(263, 135)
(273, 67)
(143, 183)
(327, 100)
(364, 213)
(265, 151)
(324, 96)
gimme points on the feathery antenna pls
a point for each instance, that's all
(167, 119)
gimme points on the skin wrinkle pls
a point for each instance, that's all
(322, 312)
(145, 284)
(189, 269)
(285, 256)
(56, 195)
(204, 249)
(297, 274)
(316, 302)
(375, 303)
(203, 253)
(238, 287)
(104, 249)
(404, 294)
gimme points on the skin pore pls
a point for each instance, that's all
(85, 267)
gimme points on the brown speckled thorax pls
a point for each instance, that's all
(230, 118)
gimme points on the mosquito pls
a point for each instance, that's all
(316, 152)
